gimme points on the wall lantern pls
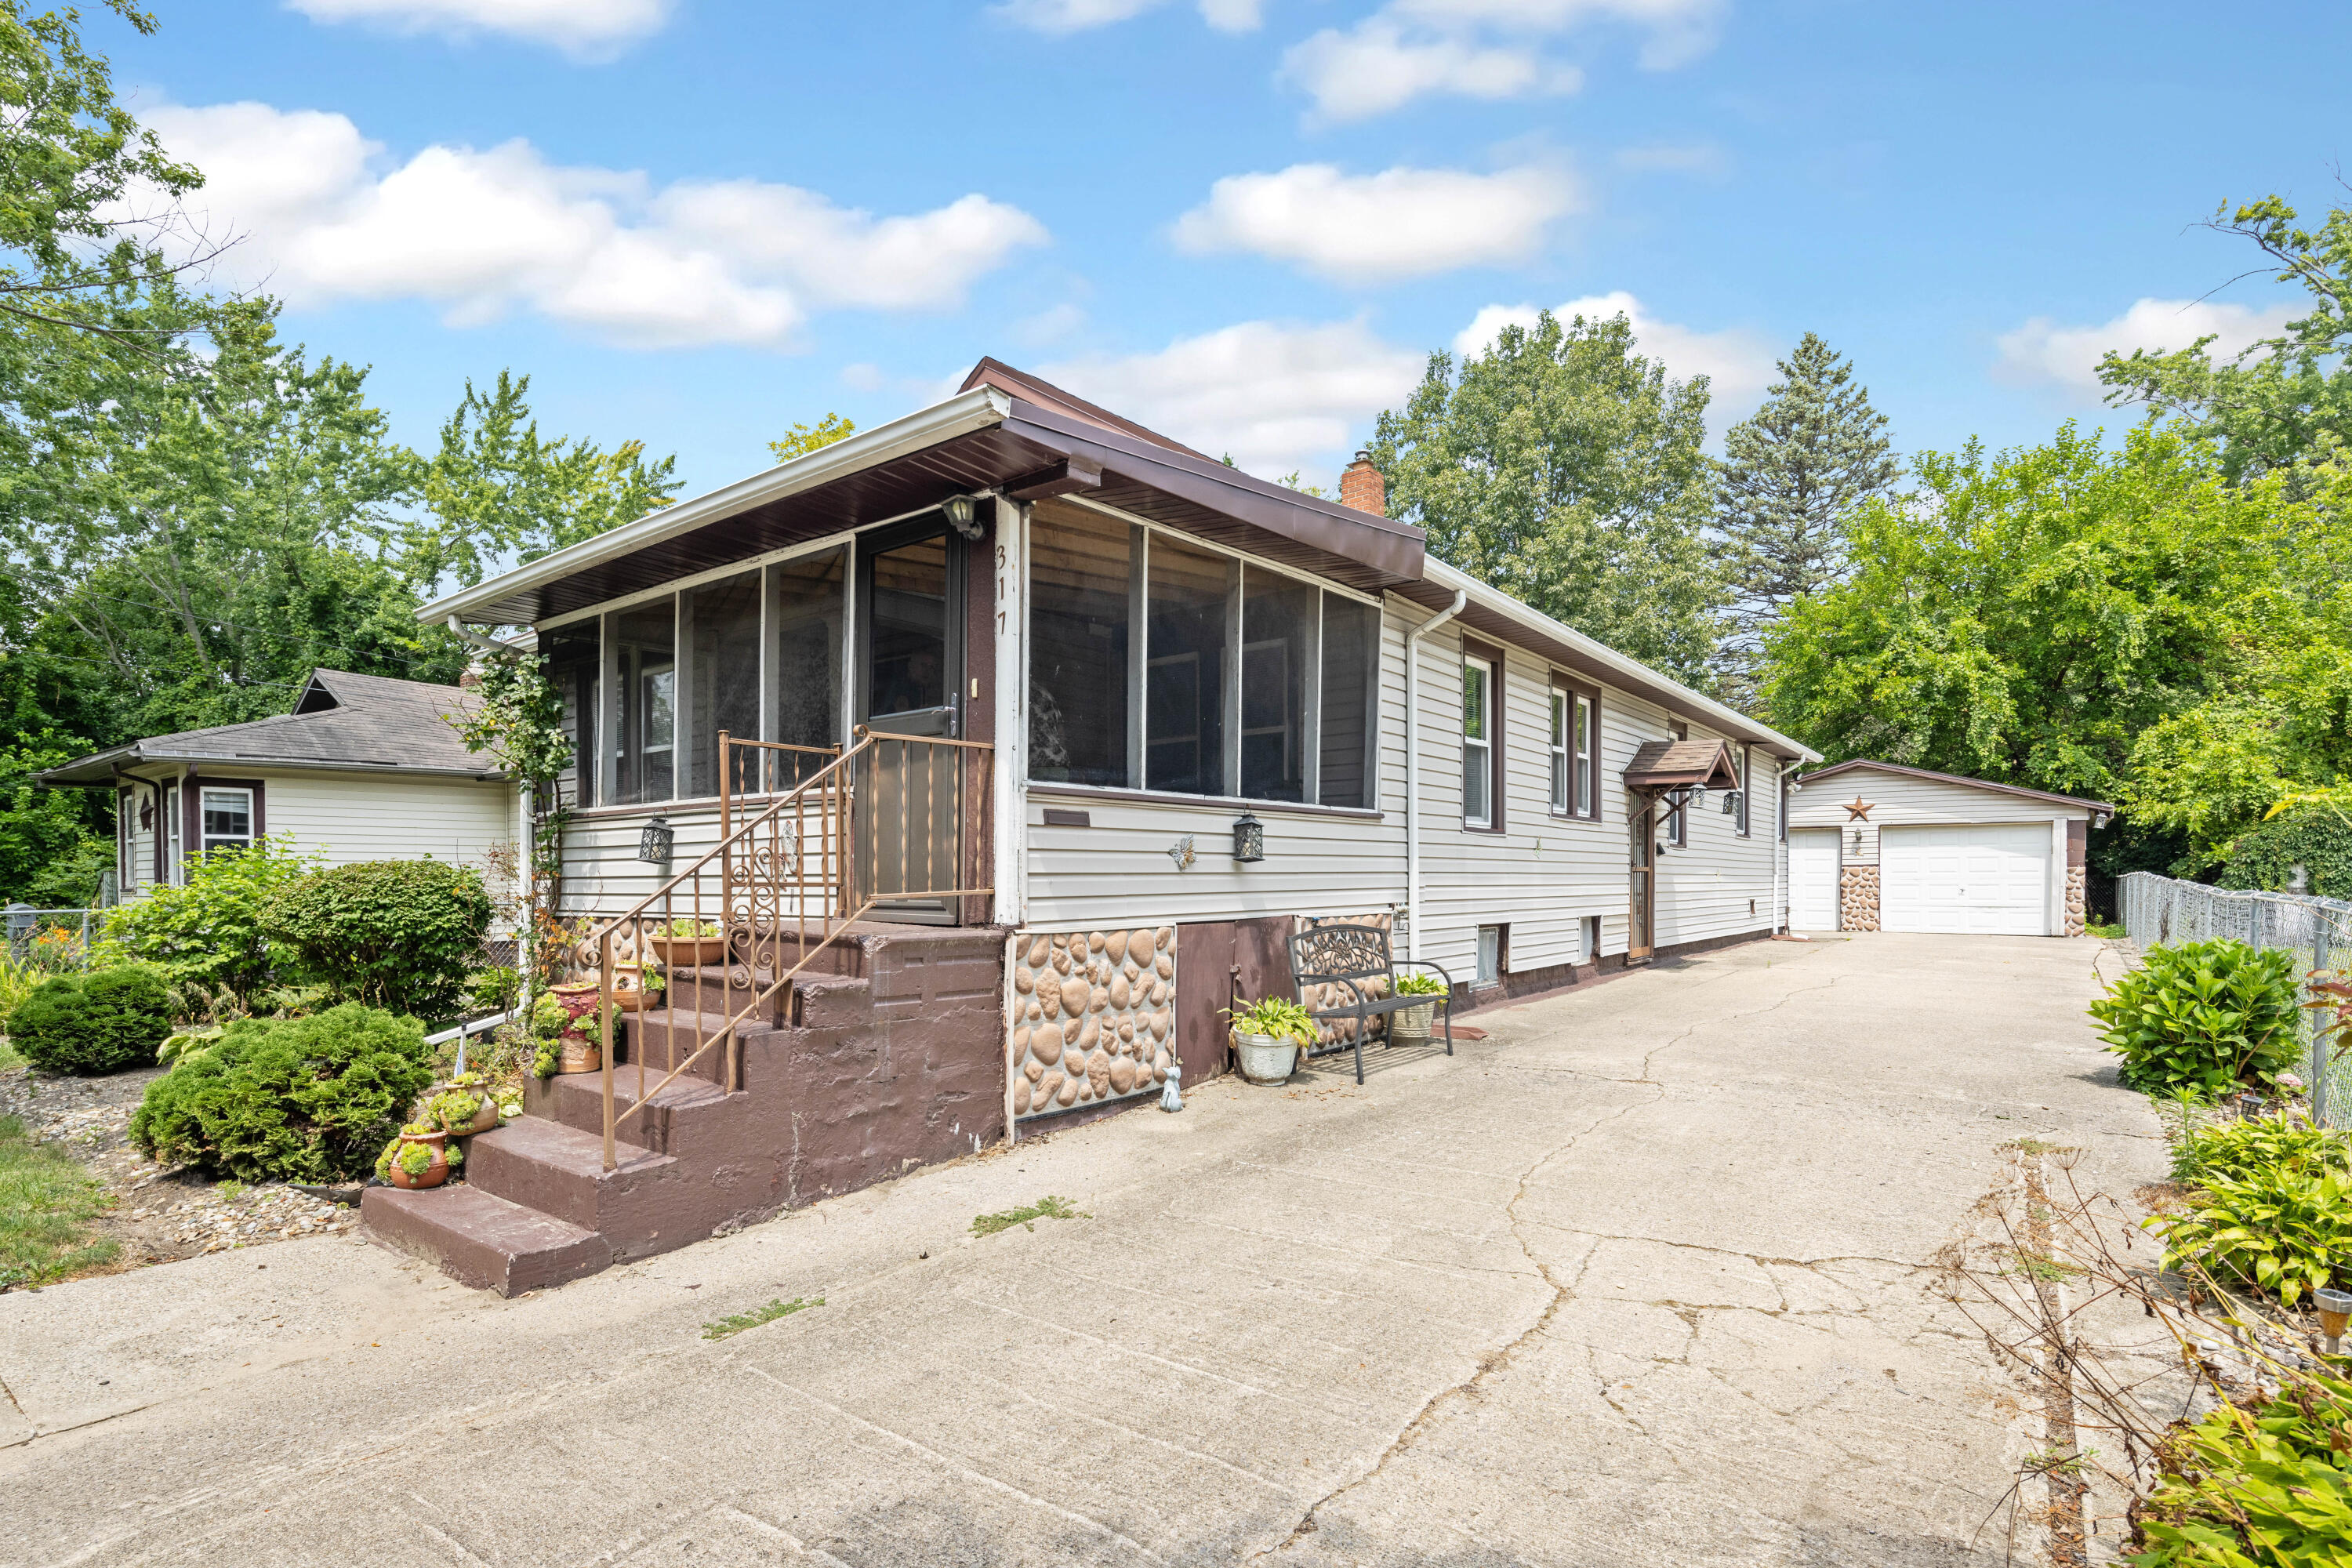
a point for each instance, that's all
(654, 844)
(960, 515)
(1249, 838)
(1732, 802)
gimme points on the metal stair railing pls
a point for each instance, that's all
(804, 869)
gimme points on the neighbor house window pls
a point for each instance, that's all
(227, 819)
(172, 833)
(1477, 742)
(1155, 663)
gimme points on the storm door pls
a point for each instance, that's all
(911, 804)
(1641, 881)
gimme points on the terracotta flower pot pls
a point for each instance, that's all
(434, 1174)
(674, 951)
(580, 1055)
(629, 994)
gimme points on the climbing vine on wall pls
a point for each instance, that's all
(519, 720)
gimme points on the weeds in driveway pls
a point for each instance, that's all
(1048, 1207)
(46, 1203)
(727, 1328)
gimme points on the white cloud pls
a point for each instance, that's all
(1276, 395)
(1736, 363)
(1081, 16)
(2042, 352)
(1700, 158)
(484, 232)
(582, 28)
(1377, 228)
(1479, 48)
(1379, 66)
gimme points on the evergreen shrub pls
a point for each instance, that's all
(297, 1099)
(402, 934)
(106, 1021)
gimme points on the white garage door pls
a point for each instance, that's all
(1979, 880)
(1813, 879)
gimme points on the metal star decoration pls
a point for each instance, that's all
(1859, 811)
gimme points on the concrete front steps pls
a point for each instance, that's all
(889, 1056)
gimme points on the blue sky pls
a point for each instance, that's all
(695, 222)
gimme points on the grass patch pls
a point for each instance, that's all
(46, 1200)
(1047, 1207)
(727, 1328)
(9, 1056)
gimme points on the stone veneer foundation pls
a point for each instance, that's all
(1858, 898)
(2077, 890)
(1094, 1016)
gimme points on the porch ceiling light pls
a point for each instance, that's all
(655, 843)
(1249, 838)
(961, 514)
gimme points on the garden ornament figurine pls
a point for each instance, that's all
(1170, 1096)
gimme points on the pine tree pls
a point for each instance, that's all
(1791, 476)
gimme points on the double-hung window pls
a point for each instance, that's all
(1739, 764)
(1477, 742)
(170, 832)
(1573, 784)
(227, 819)
(1678, 813)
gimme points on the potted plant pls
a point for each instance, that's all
(560, 1028)
(1412, 1023)
(635, 987)
(687, 941)
(420, 1157)
(1267, 1035)
(462, 1107)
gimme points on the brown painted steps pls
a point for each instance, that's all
(483, 1240)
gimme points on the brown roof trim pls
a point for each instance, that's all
(1681, 764)
(1035, 389)
(1929, 774)
(1359, 539)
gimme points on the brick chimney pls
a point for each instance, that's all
(1361, 487)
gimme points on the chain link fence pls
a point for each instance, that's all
(2163, 911)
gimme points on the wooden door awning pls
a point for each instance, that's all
(1661, 765)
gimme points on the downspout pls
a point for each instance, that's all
(1413, 768)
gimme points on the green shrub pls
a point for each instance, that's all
(102, 1023)
(207, 930)
(2254, 1483)
(2230, 1151)
(2282, 1229)
(492, 990)
(402, 934)
(2315, 835)
(2204, 1017)
(303, 1100)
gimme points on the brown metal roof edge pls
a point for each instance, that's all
(1904, 768)
(1392, 549)
(1020, 384)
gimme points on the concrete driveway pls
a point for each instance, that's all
(1637, 1279)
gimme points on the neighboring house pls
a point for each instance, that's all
(1880, 846)
(363, 768)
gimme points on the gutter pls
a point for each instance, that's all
(966, 412)
(1722, 718)
(1413, 768)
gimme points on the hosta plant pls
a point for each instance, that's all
(2285, 1230)
(1419, 986)
(2228, 1151)
(2206, 1017)
(1278, 1017)
(2260, 1481)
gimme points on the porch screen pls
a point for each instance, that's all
(1079, 629)
(571, 653)
(811, 593)
(645, 658)
(723, 628)
(1278, 616)
(1186, 648)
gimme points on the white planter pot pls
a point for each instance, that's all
(1267, 1058)
(1411, 1023)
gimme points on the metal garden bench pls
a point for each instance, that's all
(1348, 956)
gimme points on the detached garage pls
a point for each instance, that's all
(1881, 846)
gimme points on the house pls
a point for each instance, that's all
(1008, 743)
(362, 768)
(1919, 851)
